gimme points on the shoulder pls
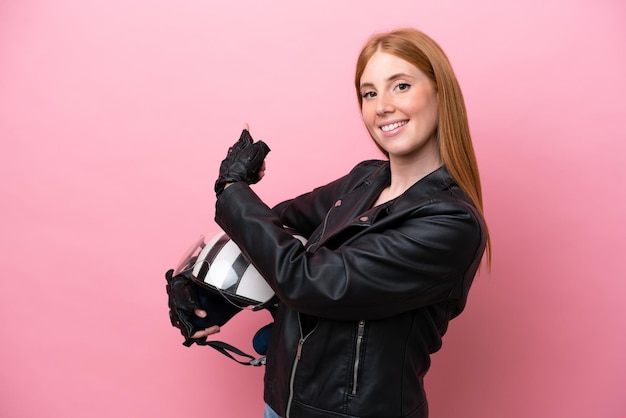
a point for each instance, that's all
(455, 218)
(367, 169)
(439, 197)
(369, 166)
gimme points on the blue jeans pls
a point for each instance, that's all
(269, 413)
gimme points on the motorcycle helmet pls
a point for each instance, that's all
(217, 264)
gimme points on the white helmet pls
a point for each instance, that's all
(219, 265)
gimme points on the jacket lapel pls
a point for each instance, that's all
(428, 186)
(354, 208)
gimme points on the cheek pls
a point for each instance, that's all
(367, 115)
(369, 119)
(426, 108)
(434, 115)
(434, 107)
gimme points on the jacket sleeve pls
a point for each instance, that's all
(420, 262)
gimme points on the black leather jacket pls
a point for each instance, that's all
(369, 297)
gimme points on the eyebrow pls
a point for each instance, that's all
(390, 78)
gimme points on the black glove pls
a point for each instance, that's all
(242, 163)
(185, 295)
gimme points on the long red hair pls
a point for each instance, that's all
(453, 134)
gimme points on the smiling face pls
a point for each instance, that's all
(399, 109)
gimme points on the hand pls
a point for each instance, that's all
(261, 175)
(195, 311)
(244, 162)
(203, 333)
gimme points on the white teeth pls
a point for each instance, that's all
(387, 128)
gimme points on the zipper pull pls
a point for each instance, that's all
(361, 329)
(299, 350)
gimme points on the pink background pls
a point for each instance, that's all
(114, 116)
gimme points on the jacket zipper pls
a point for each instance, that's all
(357, 356)
(295, 365)
(325, 224)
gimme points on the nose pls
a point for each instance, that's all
(384, 104)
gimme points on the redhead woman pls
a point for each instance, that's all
(392, 247)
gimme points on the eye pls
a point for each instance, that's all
(403, 86)
(368, 94)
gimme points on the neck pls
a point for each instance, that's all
(405, 173)
(403, 176)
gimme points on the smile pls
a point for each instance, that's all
(392, 126)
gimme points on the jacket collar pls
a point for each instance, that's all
(434, 182)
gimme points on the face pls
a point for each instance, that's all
(400, 109)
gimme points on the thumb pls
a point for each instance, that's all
(245, 139)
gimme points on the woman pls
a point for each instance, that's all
(392, 248)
